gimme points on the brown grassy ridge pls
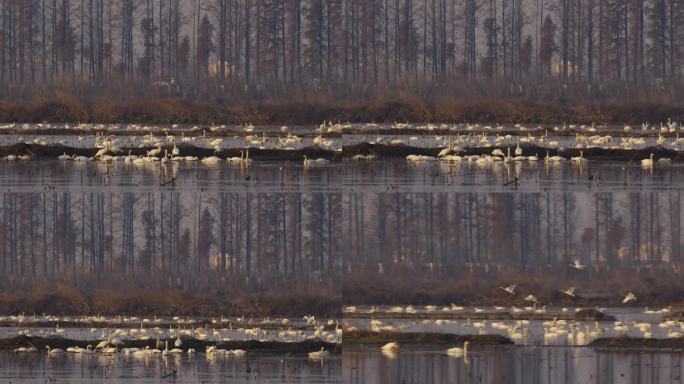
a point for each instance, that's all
(61, 108)
(69, 300)
(402, 286)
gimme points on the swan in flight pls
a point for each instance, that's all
(531, 298)
(570, 291)
(510, 289)
(578, 265)
(629, 297)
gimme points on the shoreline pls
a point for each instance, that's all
(251, 346)
(380, 151)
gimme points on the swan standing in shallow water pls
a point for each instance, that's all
(315, 162)
(647, 163)
(54, 352)
(579, 160)
(319, 355)
(211, 160)
(390, 347)
(459, 352)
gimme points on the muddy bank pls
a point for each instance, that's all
(634, 155)
(199, 345)
(298, 110)
(583, 315)
(379, 338)
(63, 300)
(637, 343)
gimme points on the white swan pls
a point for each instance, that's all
(155, 152)
(578, 265)
(629, 297)
(211, 160)
(570, 291)
(319, 355)
(54, 352)
(647, 163)
(459, 352)
(510, 289)
(390, 347)
(579, 160)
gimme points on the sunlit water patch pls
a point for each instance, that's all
(512, 365)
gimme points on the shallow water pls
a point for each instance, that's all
(396, 175)
(513, 365)
(62, 218)
(75, 368)
(531, 332)
(276, 226)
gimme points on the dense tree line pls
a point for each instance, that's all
(208, 48)
(264, 240)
